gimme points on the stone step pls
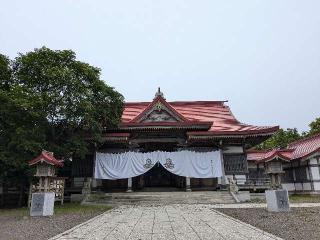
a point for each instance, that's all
(209, 197)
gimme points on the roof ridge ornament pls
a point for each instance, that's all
(159, 94)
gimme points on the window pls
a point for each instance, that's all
(82, 167)
(235, 164)
(288, 176)
(301, 174)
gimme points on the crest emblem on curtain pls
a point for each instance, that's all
(148, 164)
(169, 164)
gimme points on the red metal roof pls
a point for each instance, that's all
(265, 156)
(224, 122)
(306, 146)
(300, 149)
(46, 157)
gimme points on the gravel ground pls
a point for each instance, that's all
(300, 223)
(39, 228)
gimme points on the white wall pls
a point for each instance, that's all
(307, 187)
(233, 149)
(316, 186)
(288, 186)
(298, 186)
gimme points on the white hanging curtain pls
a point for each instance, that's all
(183, 163)
(193, 164)
(123, 165)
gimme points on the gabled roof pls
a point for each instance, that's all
(156, 101)
(266, 156)
(47, 157)
(301, 149)
(216, 112)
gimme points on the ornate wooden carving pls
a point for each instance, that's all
(159, 116)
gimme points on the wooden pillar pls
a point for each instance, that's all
(188, 185)
(129, 189)
(273, 181)
(280, 180)
(46, 184)
(223, 178)
(40, 185)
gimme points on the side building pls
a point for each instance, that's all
(164, 131)
(299, 164)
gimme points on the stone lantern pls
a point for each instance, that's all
(275, 170)
(277, 198)
(49, 186)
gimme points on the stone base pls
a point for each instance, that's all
(42, 204)
(277, 201)
(243, 196)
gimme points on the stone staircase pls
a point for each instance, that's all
(174, 197)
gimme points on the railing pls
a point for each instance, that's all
(258, 181)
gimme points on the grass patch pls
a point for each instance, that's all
(98, 198)
(14, 212)
(257, 200)
(304, 198)
(67, 208)
(294, 198)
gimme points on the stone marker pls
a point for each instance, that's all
(42, 204)
(277, 200)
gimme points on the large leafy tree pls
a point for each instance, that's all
(20, 138)
(281, 139)
(50, 100)
(69, 95)
(314, 127)
(5, 72)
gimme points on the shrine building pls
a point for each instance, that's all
(298, 165)
(187, 145)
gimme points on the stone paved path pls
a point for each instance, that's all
(164, 222)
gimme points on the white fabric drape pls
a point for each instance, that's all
(193, 164)
(183, 163)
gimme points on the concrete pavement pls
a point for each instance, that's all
(177, 221)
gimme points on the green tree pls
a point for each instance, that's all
(314, 127)
(281, 139)
(70, 95)
(50, 100)
(5, 72)
(20, 139)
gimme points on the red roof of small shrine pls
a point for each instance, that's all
(300, 149)
(265, 156)
(215, 112)
(46, 157)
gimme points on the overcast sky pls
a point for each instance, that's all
(262, 56)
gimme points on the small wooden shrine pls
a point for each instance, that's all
(47, 181)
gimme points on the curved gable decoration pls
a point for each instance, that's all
(159, 110)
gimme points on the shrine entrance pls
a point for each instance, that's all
(156, 178)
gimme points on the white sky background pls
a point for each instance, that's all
(262, 56)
